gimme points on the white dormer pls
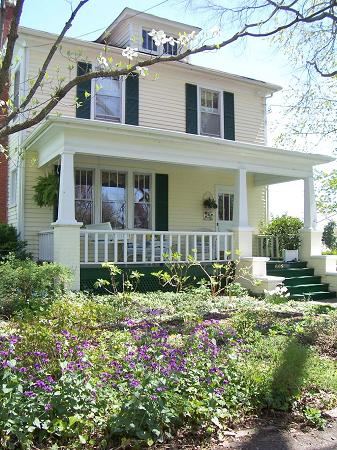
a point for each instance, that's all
(132, 28)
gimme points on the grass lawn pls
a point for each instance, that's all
(85, 371)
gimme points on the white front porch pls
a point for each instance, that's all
(200, 163)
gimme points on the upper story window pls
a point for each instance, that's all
(148, 43)
(210, 113)
(108, 99)
(16, 90)
(171, 50)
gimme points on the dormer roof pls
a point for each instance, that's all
(158, 22)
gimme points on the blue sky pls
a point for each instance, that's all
(256, 58)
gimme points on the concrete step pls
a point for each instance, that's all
(314, 296)
(271, 265)
(291, 273)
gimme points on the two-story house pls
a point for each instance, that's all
(142, 160)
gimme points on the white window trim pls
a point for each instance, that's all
(130, 171)
(13, 190)
(93, 101)
(210, 88)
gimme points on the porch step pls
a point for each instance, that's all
(301, 281)
(275, 265)
(291, 273)
(306, 279)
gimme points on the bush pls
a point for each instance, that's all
(287, 229)
(329, 238)
(10, 242)
(24, 283)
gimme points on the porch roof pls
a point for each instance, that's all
(58, 134)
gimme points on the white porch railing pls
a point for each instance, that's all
(46, 245)
(141, 247)
(268, 246)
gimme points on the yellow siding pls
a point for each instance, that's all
(162, 93)
(35, 218)
(187, 188)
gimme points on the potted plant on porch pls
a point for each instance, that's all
(286, 230)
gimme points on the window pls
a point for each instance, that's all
(225, 207)
(148, 43)
(16, 90)
(142, 201)
(171, 49)
(210, 113)
(108, 99)
(84, 196)
(114, 198)
(13, 186)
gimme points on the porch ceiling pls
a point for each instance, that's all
(58, 134)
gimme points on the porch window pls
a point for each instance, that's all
(142, 201)
(84, 195)
(148, 43)
(225, 207)
(108, 99)
(210, 113)
(114, 198)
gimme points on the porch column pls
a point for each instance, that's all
(311, 238)
(66, 228)
(242, 231)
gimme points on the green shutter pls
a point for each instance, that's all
(57, 170)
(83, 111)
(229, 120)
(191, 108)
(161, 207)
(132, 99)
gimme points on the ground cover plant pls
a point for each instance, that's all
(87, 371)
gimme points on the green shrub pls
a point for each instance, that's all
(10, 242)
(287, 229)
(329, 238)
(24, 283)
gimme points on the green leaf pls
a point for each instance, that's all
(82, 439)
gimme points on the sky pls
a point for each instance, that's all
(257, 58)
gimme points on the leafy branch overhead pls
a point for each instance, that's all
(249, 19)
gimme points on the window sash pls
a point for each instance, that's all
(142, 201)
(114, 205)
(108, 99)
(147, 42)
(170, 49)
(225, 207)
(210, 113)
(84, 195)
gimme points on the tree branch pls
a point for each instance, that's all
(12, 38)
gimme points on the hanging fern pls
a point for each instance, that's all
(46, 190)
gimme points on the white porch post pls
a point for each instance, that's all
(66, 228)
(310, 237)
(242, 231)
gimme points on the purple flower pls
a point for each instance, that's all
(48, 406)
(29, 394)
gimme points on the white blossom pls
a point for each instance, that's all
(184, 39)
(159, 37)
(130, 53)
(215, 31)
(102, 61)
(170, 40)
(11, 2)
(143, 71)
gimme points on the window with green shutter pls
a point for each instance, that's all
(82, 89)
